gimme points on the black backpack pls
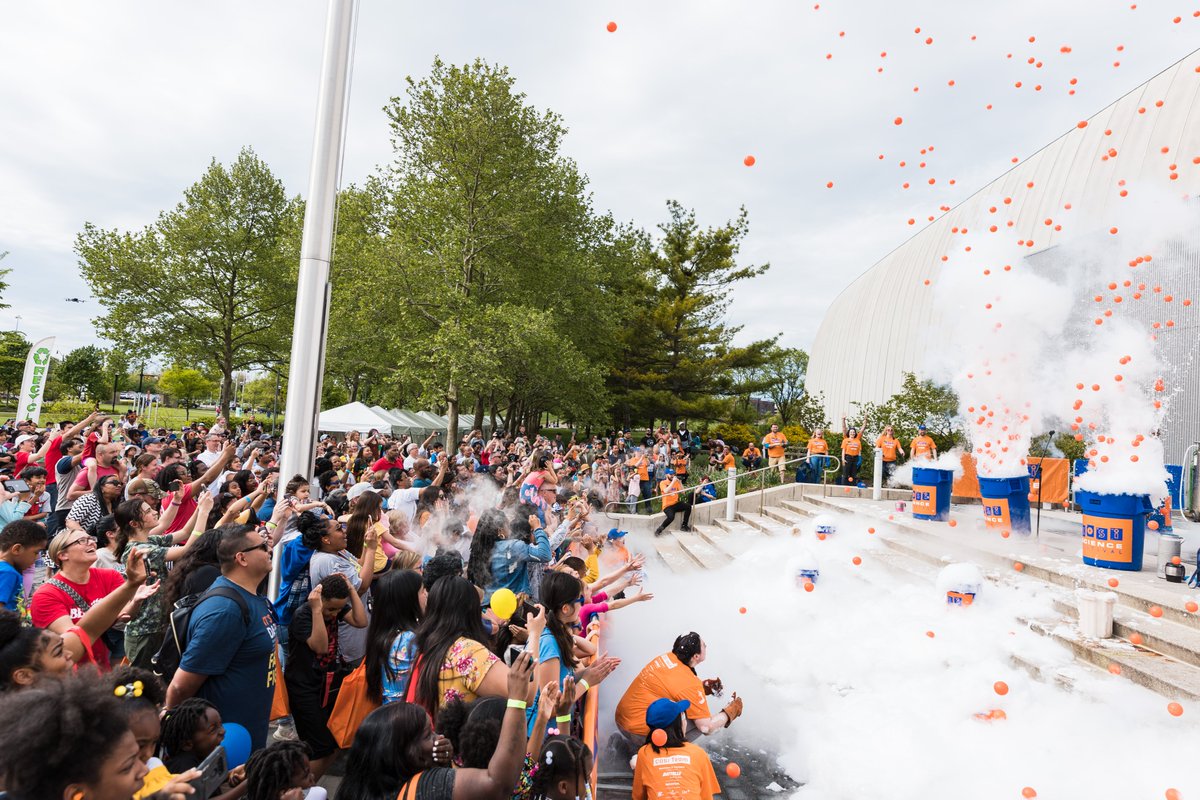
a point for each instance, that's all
(170, 652)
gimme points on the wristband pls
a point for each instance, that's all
(272, 525)
(563, 718)
(521, 704)
(583, 682)
(83, 637)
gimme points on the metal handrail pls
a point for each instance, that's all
(737, 475)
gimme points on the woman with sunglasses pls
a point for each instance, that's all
(100, 502)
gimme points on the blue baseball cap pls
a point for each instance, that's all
(920, 427)
(662, 712)
(669, 471)
(616, 533)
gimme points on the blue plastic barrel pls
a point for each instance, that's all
(1114, 529)
(931, 493)
(1006, 503)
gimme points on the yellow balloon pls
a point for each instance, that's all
(504, 603)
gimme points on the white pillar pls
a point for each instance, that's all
(307, 362)
(877, 489)
(731, 495)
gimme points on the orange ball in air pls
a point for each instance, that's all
(733, 770)
(742, 610)
(870, 530)
(929, 634)
(808, 586)
(659, 737)
(1173, 794)
(1000, 687)
(1029, 791)
(612, 27)
(856, 561)
(748, 161)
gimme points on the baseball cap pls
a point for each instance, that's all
(920, 427)
(662, 712)
(360, 488)
(669, 471)
(616, 533)
(151, 440)
(24, 437)
(146, 486)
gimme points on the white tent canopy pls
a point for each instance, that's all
(353, 417)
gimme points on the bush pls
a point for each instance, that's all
(60, 410)
(736, 435)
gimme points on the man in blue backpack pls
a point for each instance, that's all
(229, 658)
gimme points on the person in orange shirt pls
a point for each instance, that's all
(890, 446)
(673, 676)
(681, 462)
(641, 463)
(678, 769)
(726, 458)
(752, 457)
(818, 452)
(673, 502)
(775, 444)
(922, 447)
(851, 453)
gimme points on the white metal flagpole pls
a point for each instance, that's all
(312, 289)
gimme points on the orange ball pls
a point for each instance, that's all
(1174, 709)
(929, 634)
(1113, 582)
(1136, 638)
(733, 770)
(856, 561)
(870, 530)
(1152, 525)
(953, 523)
(1018, 566)
(821, 536)
(1005, 534)
(1156, 611)
(1114, 668)
(612, 27)
(808, 586)
(748, 161)
(1028, 791)
(1173, 794)
(742, 610)
(1000, 687)
(1191, 606)
(659, 737)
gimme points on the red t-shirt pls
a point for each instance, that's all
(187, 507)
(50, 603)
(54, 454)
(101, 471)
(383, 465)
(89, 446)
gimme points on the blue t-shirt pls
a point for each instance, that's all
(239, 660)
(12, 590)
(547, 649)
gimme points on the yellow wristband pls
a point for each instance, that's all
(563, 718)
(583, 682)
(521, 704)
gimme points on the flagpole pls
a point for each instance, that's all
(307, 362)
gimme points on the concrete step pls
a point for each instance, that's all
(1153, 670)
(672, 554)
(700, 550)
(730, 543)
(1172, 639)
(764, 523)
(782, 515)
(736, 527)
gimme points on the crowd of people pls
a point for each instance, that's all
(433, 621)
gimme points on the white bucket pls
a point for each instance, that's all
(1095, 613)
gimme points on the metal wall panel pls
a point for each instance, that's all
(850, 363)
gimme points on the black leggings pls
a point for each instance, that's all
(850, 468)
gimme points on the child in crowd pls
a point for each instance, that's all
(21, 541)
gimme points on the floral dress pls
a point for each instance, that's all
(466, 665)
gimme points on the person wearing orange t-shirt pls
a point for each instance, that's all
(775, 443)
(922, 447)
(752, 457)
(673, 502)
(728, 462)
(641, 463)
(818, 455)
(677, 769)
(673, 676)
(851, 453)
(891, 448)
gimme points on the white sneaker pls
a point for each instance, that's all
(286, 732)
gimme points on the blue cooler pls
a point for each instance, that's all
(1006, 503)
(1114, 529)
(931, 493)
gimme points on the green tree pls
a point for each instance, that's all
(14, 349)
(809, 411)
(919, 402)
(83, 372)
(679, 356)
(784, 372)
(4, 271)
(211, 282)
(187, 386)
(480, 210)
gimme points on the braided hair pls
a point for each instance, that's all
(179, 726)
(562, 759)
(272, 771)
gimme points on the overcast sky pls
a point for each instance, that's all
(109, 110)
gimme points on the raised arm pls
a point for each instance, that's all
(497, 781)
(104, 613)
(203, 508)
(197, 486)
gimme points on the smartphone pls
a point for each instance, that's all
(212, 774)
(16, 485)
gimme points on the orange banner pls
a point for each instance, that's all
(1055, 477)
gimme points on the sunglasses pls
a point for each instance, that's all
(264, 547)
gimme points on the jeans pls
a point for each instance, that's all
(671, 511)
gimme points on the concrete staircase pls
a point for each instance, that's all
(1166, 659)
